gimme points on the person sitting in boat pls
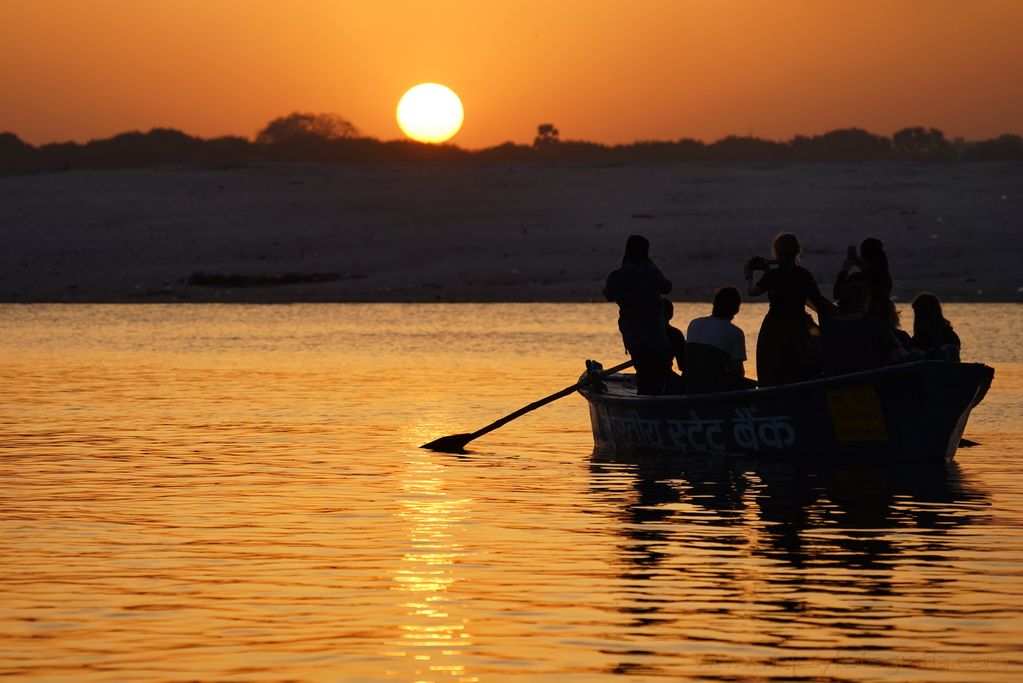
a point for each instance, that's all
(716, 348)
(855, 341)
(873, 272)
(932, 334)
(788, 348)
(637, 288)
(674, 383)
(895, 325)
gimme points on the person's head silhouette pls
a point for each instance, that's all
(927, 313)
(726, 303)
(785, 249)
(872, 256)
(668, 309)
(637, 249)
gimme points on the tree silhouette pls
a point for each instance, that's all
(921, 144)
(847, 144)
(15, 153)
(546, 136)
(328, 138)
(302, 126)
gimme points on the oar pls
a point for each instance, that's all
(456, 443)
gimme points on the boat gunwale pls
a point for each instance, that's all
(758, 392)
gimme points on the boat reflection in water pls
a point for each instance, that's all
(731, 555)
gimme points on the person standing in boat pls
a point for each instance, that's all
(716, 348)
(873, 272)
(637, 288)
(788, 349)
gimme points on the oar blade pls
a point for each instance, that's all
(455, 443)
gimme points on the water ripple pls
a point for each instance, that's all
(236, 493)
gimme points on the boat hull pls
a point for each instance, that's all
(911, 412)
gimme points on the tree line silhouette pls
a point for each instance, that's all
(328, 138)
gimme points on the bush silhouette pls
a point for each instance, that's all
(1003, 148)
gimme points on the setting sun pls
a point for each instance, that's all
(430, 112)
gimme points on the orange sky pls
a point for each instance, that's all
(604, 70)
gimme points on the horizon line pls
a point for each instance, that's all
(252, 138)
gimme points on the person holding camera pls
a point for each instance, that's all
(788, 348)
(637, 288)
(873, 272)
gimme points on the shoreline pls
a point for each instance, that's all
(291, 233)
(290, 300)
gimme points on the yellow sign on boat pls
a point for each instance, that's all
(856, 414)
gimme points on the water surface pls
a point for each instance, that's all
(216, 492)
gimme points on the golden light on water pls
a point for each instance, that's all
(432, 638)
(430, 112)
(150, 510)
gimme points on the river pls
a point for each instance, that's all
(235, 492)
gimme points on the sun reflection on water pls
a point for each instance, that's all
(434, 637)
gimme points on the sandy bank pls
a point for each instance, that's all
(492, 233)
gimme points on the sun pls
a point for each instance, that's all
(430, 112)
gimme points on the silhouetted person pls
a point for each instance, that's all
(855, 341)
(788, 349)
(895, 325)
(873, 272)
(674, 383)
(932, 334)
(716, 348)
(637, 288)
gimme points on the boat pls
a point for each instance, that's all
(909, 412)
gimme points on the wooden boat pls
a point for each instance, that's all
(909, 412)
